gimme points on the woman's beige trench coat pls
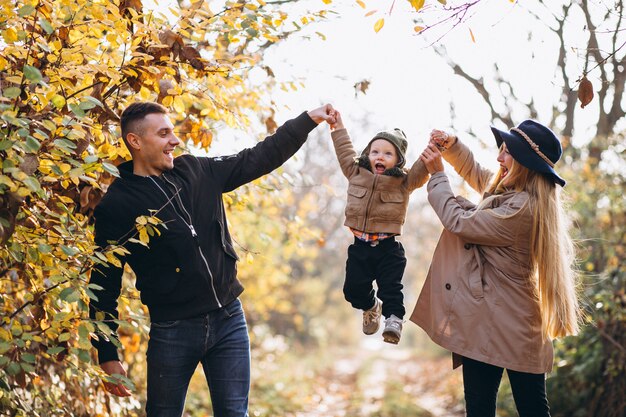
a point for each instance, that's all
(478, 300)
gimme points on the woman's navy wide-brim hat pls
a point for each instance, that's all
(540, 142)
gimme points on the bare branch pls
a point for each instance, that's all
(568, 96)
(478, 85)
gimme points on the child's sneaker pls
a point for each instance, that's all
(393, 330)
(371, 317)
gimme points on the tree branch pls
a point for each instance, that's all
(478, 85)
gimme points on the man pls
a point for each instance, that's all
(187, 275)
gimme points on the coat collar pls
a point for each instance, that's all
(364, 162)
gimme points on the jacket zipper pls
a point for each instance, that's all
(191, 229)
(369, 203)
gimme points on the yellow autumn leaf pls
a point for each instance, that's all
(418, 28)
(145, 94)
(178, 104)
(112, 259)
(9, 35)
(327, 1)
(4, 334)
(167, 101)
(472, 36)
(143, 236)
(360, 3)
(417, 4)
(379, 25)
(58, 101)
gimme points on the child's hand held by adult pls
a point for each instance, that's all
(432, 159)
(338, 121)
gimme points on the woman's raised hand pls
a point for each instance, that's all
(442, 139)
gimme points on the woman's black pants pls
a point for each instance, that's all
(481, 382)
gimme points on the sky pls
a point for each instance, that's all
(411, 86)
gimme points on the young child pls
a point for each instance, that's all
(378, 196)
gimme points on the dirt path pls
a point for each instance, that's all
(378, 376)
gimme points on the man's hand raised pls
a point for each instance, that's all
(326, 113)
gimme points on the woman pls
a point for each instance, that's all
(501, 284)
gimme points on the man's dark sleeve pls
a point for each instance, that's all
(252, 163)
(109, 277)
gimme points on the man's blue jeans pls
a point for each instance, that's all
(218, 340)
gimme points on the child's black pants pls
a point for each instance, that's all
(384, 263)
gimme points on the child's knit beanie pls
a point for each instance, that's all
(397, 139)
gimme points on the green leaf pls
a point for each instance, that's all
(76, 172)
(84, 356)
(29, 357)
(33, 253)
(32, 184)
(77, 110)
(5, 144)
(91, 294)
(26, 10)
(86, 105)
(111, 169)
(91, 102)
(55, 279)
(54, 350)
(13, 368)
(31, 145)
(27, 367)
(4, 347)
(66, 145)
(68, 250)
(15, 121)
(64, 337)
(3, 360)
(43, 248)
(11, 92)
(32, 74)
(42, 133)
(49, 124)
(67, 294)
(46, 26)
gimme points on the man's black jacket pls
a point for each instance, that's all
(190, 268)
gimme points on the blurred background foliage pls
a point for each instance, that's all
(67, 69)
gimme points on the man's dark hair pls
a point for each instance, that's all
(135, 113)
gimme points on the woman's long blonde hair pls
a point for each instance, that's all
(551, 250)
